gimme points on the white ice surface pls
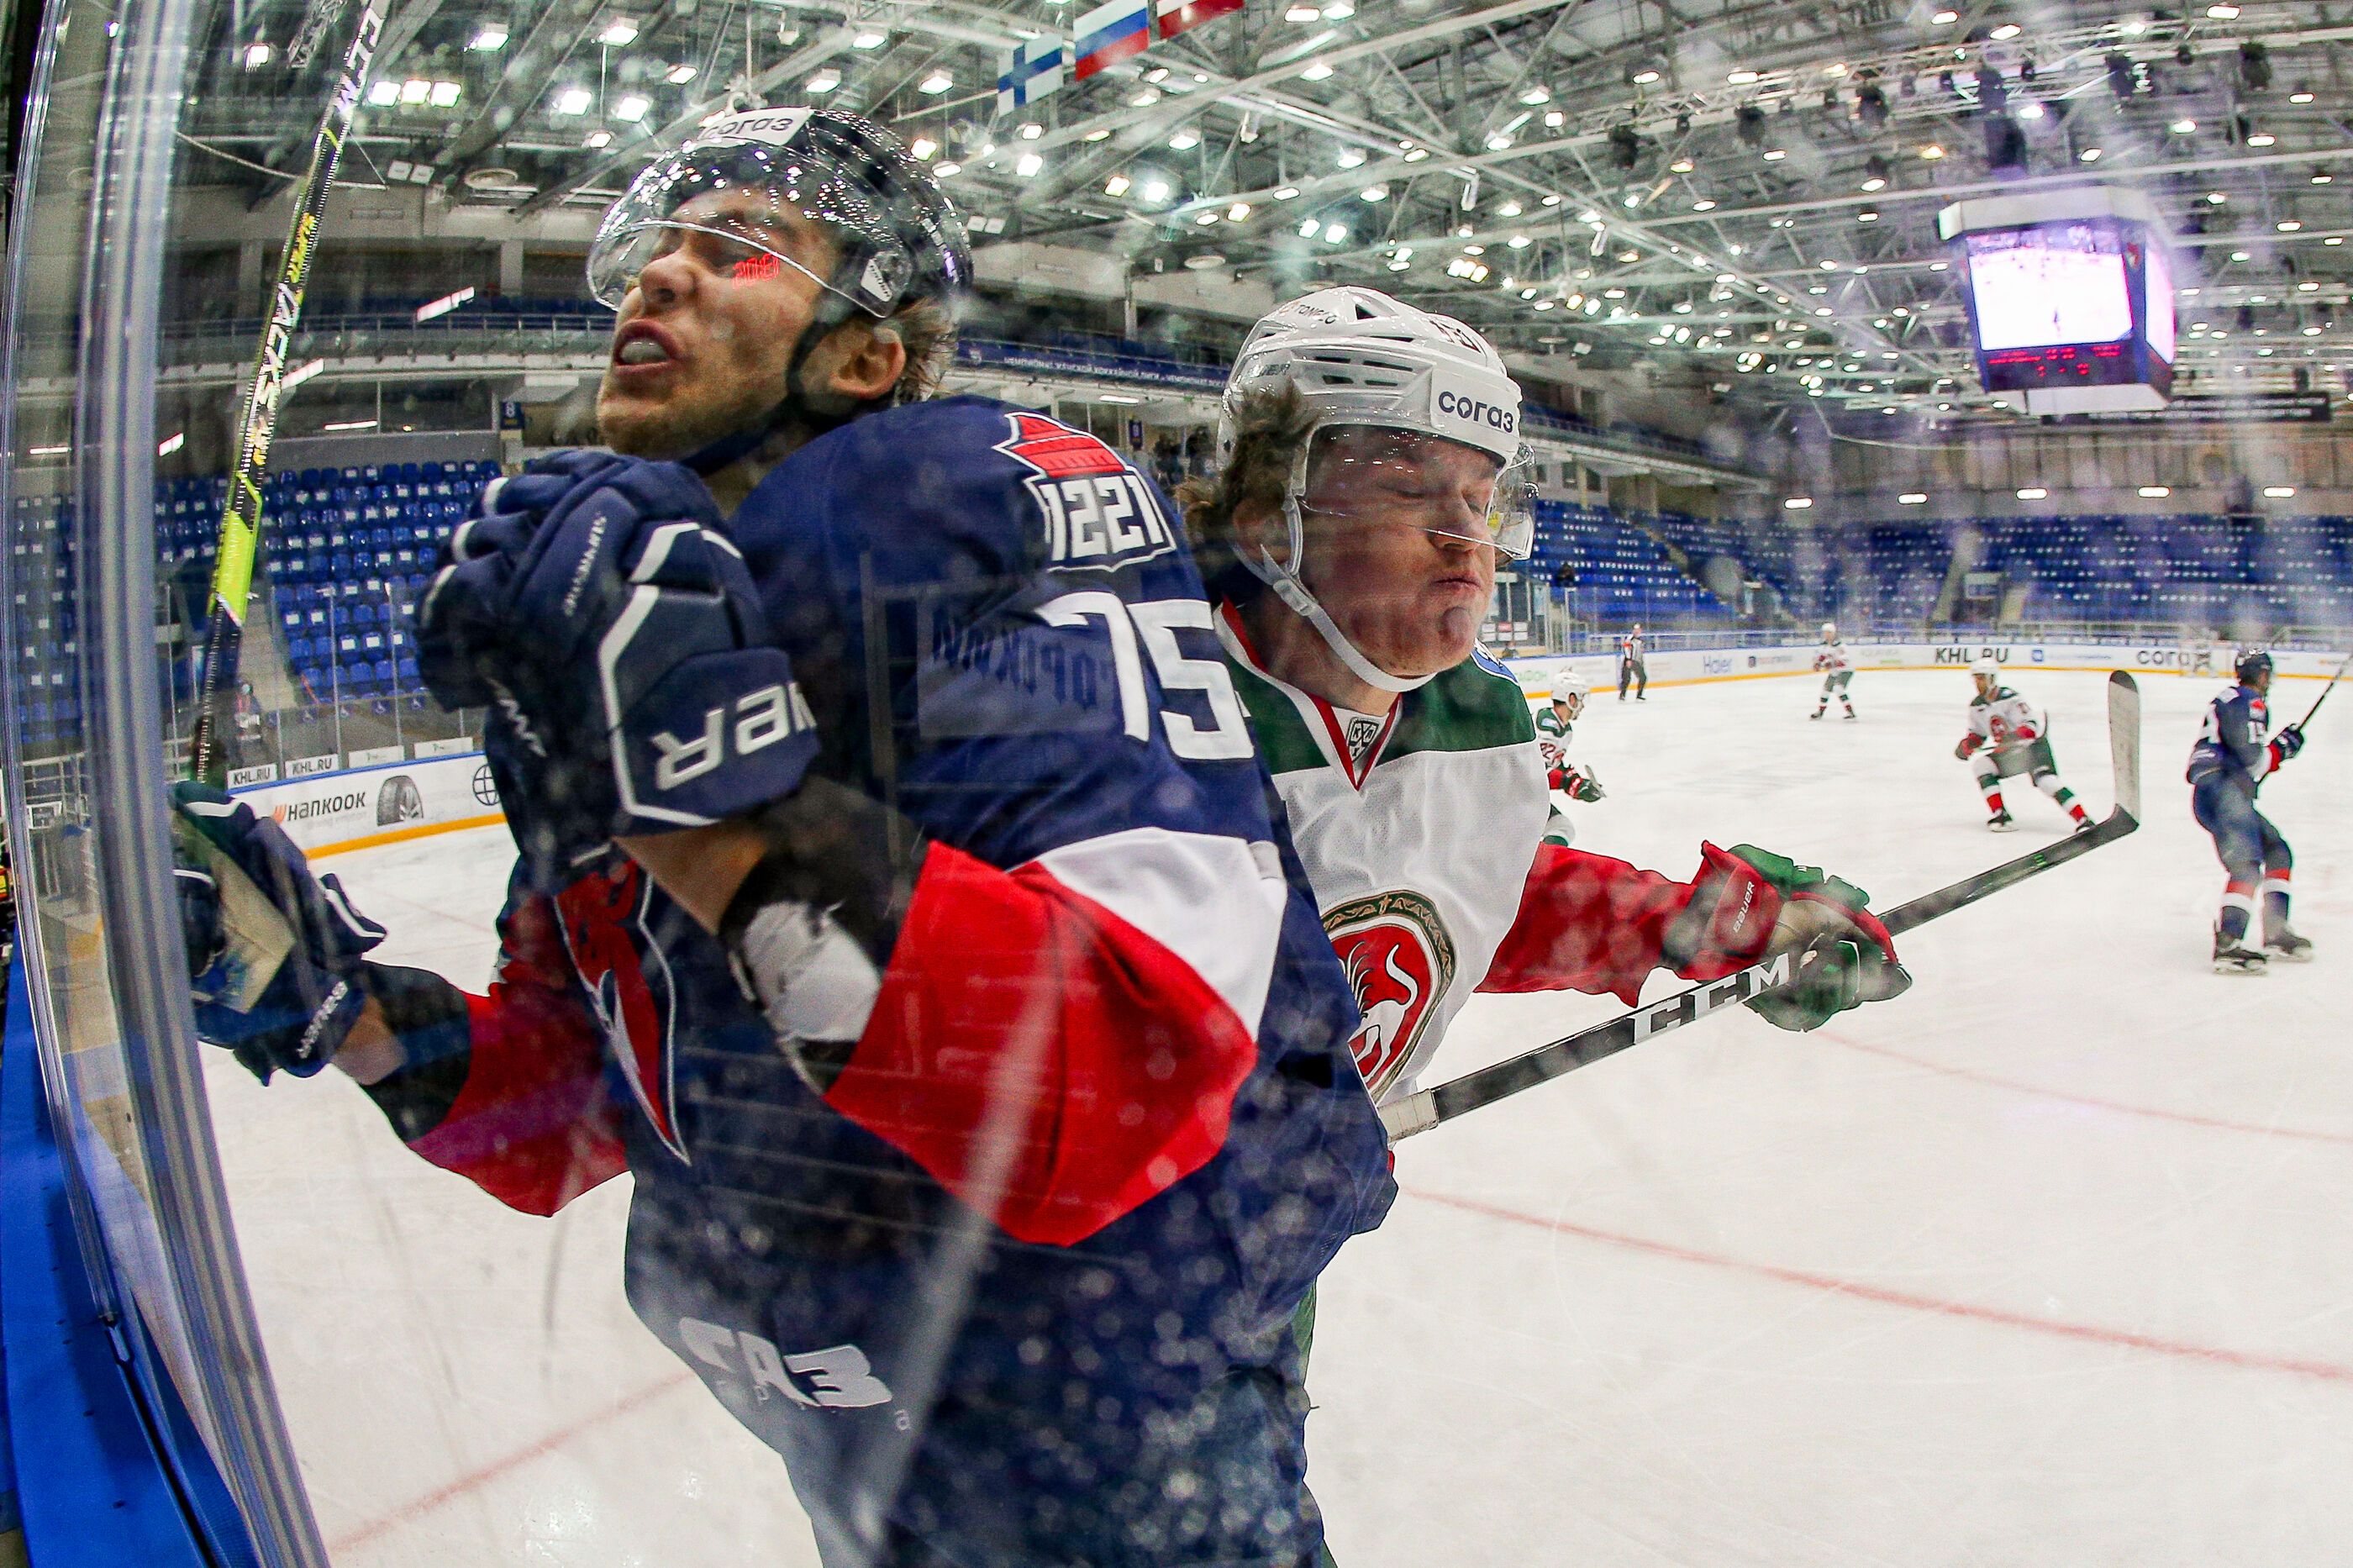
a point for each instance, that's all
(2045, 1262)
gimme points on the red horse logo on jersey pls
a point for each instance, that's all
(628, 984)
(1400, 962)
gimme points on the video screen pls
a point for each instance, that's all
(2038, 287)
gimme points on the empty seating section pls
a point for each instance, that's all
(2200, 573)
(2207, 573)
(344, 553)
(1701, 539)
(1803, 565)
(1616, 572)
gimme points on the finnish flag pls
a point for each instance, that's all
(1031, 71)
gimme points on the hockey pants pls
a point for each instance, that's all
(2031, 758)
(2255, 856)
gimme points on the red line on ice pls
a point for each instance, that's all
(2326, 1372)
(482, 1475)
(2094, 1101)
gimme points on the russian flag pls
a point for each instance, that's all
(1109, 34)
(1031, 71)
(1174, 16)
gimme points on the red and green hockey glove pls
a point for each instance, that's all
(1848, 957)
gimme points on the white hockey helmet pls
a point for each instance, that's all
(1986, 666)
(1358, 357)
(1569, 683)
(1829, 630)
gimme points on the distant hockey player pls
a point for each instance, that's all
(1836, 670)
(982, 1077)
(1631, 665)
(1555, 721)
(2007, 737)
(2227, 767)
(1352, 537)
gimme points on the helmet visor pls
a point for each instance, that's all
(757, 203)
(1453, 489)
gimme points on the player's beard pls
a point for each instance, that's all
(687, 419)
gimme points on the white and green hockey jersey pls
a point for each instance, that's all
(1417, 829)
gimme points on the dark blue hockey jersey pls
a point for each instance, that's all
(2233, 741)
(1102, 1130)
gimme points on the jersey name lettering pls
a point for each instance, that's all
(839, 1377)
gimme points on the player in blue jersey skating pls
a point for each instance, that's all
(900, 903)
(2234, 753)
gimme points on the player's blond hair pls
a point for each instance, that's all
(1270, 427)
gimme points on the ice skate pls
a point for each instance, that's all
(2232, 956)
(1815, 714)
(2286, 946)
(2002, 822)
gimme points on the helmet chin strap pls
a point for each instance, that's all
(1294, 592)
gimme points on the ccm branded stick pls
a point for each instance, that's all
(242, 515)
(1425, 1108)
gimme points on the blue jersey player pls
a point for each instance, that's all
(900, 903)
(2234, 753)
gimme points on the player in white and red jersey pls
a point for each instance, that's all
(1555, 721)
(2009, 736)
(1369, 485)
(1836, 668)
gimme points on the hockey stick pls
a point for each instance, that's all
(241, 516)
(2300, 723)
(1425, 1108)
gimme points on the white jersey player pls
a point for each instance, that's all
(1837, 669)
(2009, 736)
(1555, 721)
(1351, 539)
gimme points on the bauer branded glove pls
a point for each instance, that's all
(274, 954)
(277, 957)
(1969, 746)
(615, 633)
(2287, 744)
(1846, 956)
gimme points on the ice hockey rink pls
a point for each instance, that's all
(2042, 1263)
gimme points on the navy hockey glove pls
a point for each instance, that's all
(275, 955)
(2287, 744)
(615, 634)
(1849, 957)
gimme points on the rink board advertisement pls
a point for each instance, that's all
(1691, 666)
(358, 807)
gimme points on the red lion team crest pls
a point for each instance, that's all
(628, 984)
(1400, 960)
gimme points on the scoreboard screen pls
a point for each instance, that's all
(2081, 303)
